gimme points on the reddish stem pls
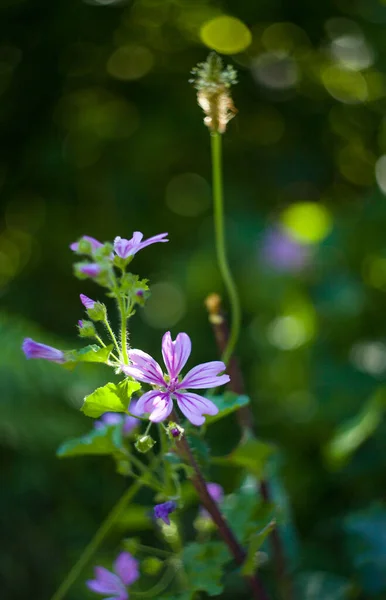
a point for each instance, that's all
(247, 425)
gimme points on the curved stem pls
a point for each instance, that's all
(221, 246)
(96, 541)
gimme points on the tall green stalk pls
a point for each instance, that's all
(222, 259)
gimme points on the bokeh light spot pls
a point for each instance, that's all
(225, 34)
(165, 307)
(276, 70)
(307, 222)
(188, 195)
(130, 62)
(290, 331)
(346, 86)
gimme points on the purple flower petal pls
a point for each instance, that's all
(146, 401)
(95, 244)
(162, 511)
(86, 301)
(144, 368)
(216, 492)
(175, 354)
(194, 406)
(126, 567)
(162, 408)
(34, 349)
(105, 582)
(125, 248)
(90, 269)
(153, 240)
(205, 376)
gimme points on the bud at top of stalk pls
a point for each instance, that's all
(212, 82)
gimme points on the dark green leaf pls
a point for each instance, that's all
(256, 542)
(366, 545)
(204, 564)
(98, 441)
(227, 404)
(251, 454)
(109, 398)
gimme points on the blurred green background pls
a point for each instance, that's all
(101, 135)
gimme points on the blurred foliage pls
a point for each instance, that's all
(101, 135)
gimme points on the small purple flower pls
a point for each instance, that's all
(80, 323)
(86, 238)
(162, 511)
(34, 349)
(216, 492)
(113, 584)
(90, 269)
(125, 248)
(86, 301)
(282, 253)
(112, 418)
(159, 402)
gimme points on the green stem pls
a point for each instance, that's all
(96, 541)
(123, 312)
(112, 335)
(221, 246)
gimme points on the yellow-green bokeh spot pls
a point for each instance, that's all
(307, 222)
(227, 35)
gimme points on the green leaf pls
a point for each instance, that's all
(245, 511)
(251, 454)
(203, 565)
(200, 449)
(109, 398)
(354, 432)
(92, 353)
(366, 546)
(256, 542)
(226, 404)
(98, 441)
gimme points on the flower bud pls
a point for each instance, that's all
(97, 312)
(144, 443)
(86, 329)
(151, 565)
(174, 431)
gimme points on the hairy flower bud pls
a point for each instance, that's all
(213, 83)
(144, 443)
(86, 329)
(174, 431)
(97, 312)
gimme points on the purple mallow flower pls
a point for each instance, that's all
(86, 301)
(282, 253)
(34, 349)
(162, 511)
(125, 248)
(86, 238)
(159, 402)
(114, 584)
(90, 269)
